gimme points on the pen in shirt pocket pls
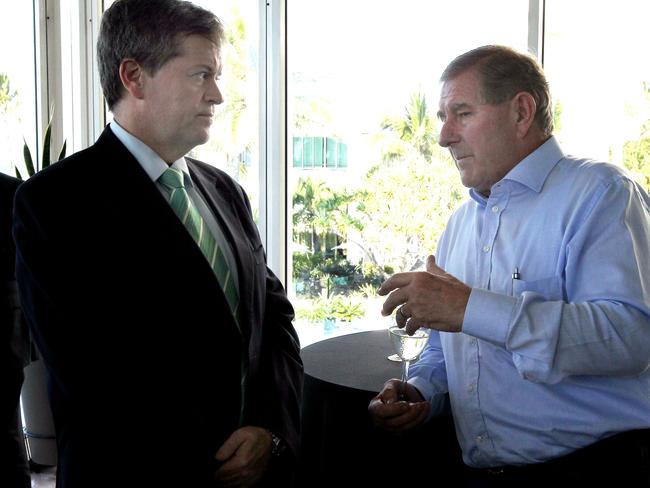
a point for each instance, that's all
(515, 276)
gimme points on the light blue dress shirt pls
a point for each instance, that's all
(555, 347)
(154, 166)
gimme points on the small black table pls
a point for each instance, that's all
(340, 444)
(355, 361)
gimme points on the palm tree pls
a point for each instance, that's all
(411, 191)
(319, 210)
(305, 197)
(414, 132)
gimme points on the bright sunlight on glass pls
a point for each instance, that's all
(17, 87)
(370, 188)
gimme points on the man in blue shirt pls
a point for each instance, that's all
(539, 299)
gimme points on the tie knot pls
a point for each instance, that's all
(172, 178)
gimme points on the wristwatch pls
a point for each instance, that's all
(278, 446)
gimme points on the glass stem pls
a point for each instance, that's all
(405, 376)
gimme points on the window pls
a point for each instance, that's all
(599, 76)
(369, 189)
(17, 88)
(234, 142)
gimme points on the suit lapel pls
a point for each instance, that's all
(221, 201)
(142, 210)
(137, 201)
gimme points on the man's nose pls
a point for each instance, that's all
(446, 134)
(214, 94)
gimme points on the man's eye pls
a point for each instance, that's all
(462, 115)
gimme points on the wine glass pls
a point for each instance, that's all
(393, 357)
(408, 347)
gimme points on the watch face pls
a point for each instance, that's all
(278, 445)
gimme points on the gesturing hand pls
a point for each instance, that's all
(431, 298)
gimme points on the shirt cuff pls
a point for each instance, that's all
(431, 393)
(488, 315)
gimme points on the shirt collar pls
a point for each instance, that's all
(531, 171)
(152, 164)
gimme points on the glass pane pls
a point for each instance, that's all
(17, 87)
(343, 155)
(379, 204)
(318, 152)
(599, 73)
(234, 142)
(331, 158)
(297, 152)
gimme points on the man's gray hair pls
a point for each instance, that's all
(503, 72)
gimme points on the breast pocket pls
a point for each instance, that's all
(550, 288)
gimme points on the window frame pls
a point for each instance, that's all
(82, 119)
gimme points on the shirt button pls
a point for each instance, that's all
(495, 209)
(486, 248)
(472, 341)
(478, 439)
(471, 387)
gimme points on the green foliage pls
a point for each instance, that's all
(411, 193)
(319, 210)
(7, 95)
(368, 290)
(234, 120)
(410, 201)
(557, 116)
(321, 221)
(311, 115)
(308, 273)
(414, 132)
(314, 311)
(396, 220)
(338, 307)
(320, 274)
(346, 309)
(45, 154)
(636, 157)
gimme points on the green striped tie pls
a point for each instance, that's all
(172, 181)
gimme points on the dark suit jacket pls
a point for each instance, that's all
(143, 354)
(14, 347)
(8, 187)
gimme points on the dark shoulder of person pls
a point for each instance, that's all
(8, 186)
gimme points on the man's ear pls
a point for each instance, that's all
(524, 110)
(132, 76)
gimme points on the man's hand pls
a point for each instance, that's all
(393, 414)
(245, 457)
(432, 298)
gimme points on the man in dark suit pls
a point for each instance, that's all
(15, 347)
(172, 361)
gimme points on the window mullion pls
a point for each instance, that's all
(536, 9)
(273, 160)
